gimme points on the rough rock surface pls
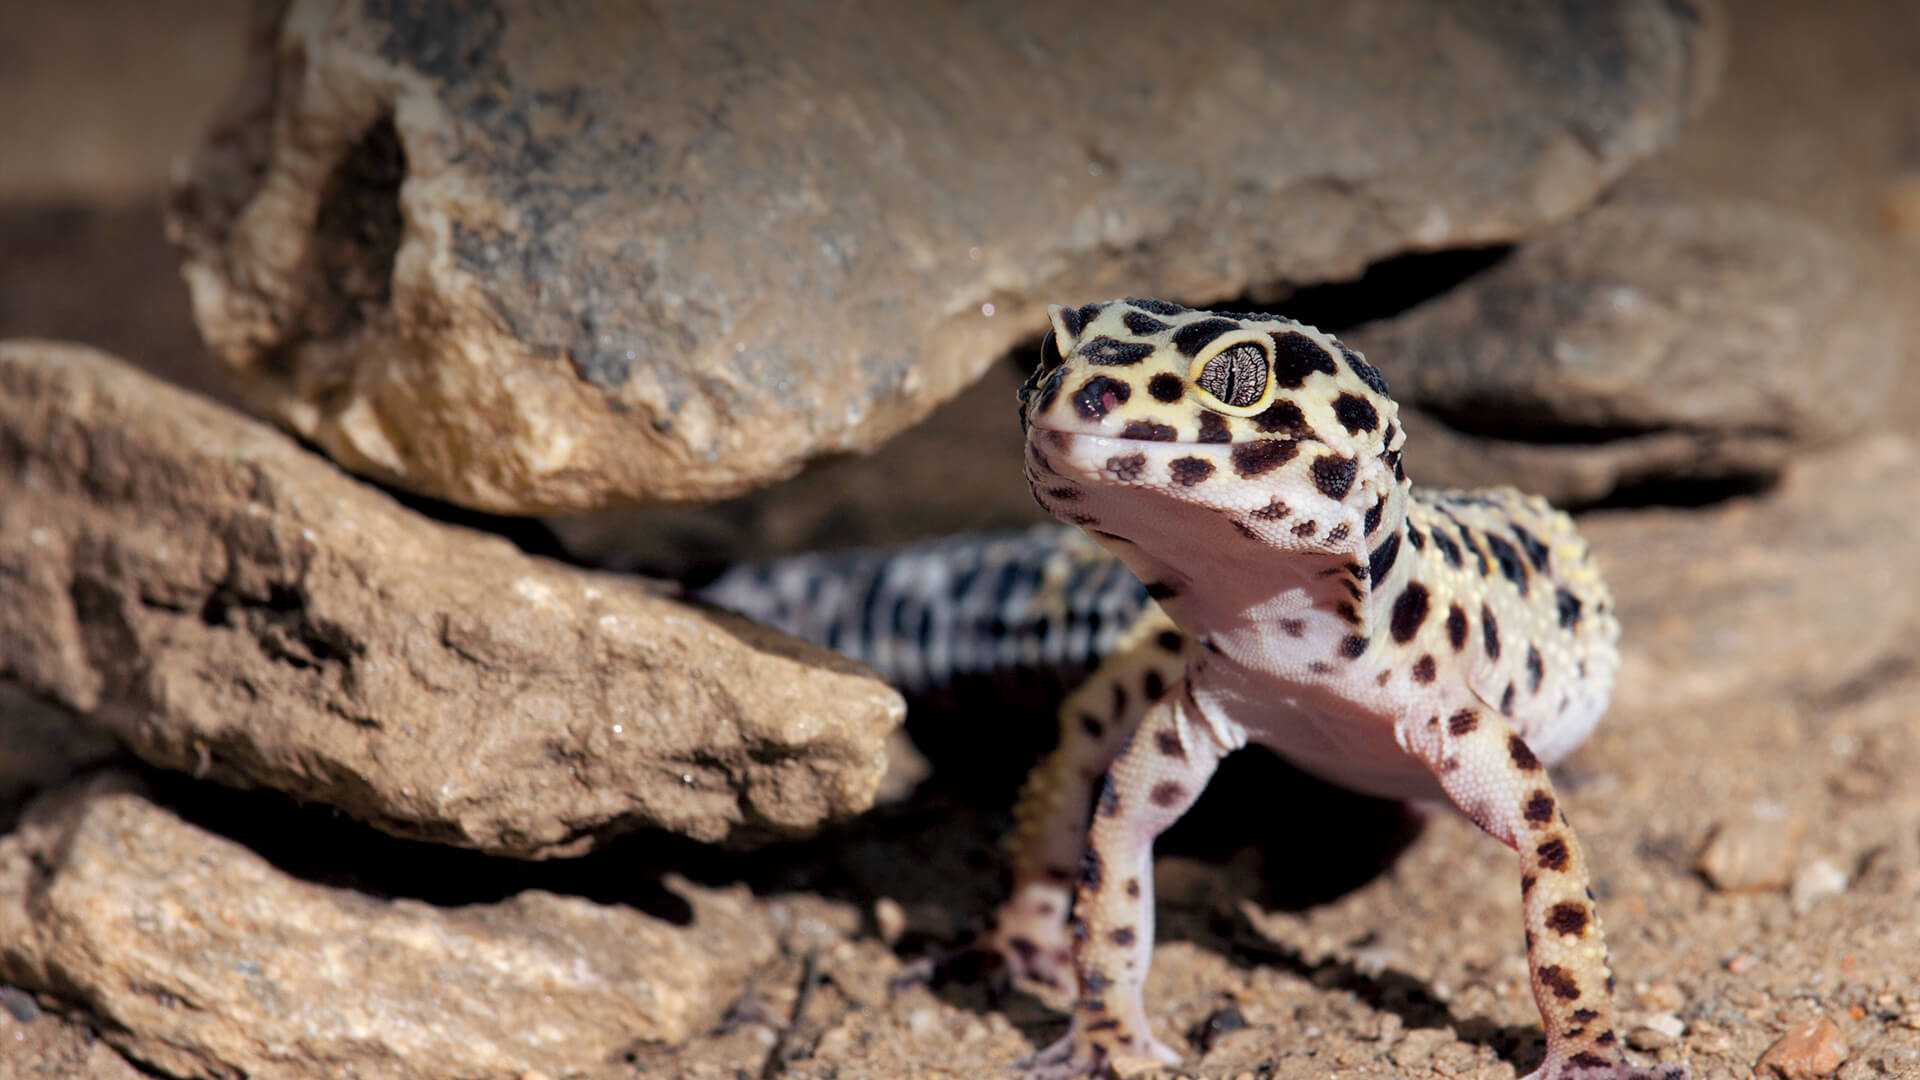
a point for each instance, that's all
(229, 604)
(1788, 594)
(199, 958)
(1652, 339)
(531, 257)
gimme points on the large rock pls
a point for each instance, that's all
(530, 257)
(1655, 339)
(1785, 597)
(229, 604)
(197, 957)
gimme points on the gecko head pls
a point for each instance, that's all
(1147, 421)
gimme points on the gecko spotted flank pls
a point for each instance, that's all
(1407, 643)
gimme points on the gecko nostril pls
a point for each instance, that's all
(1099, 396)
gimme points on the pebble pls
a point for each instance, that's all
(890, 919)
(1810, 1049)
(1754, 854)
(1658, 1032)
(1815, 882)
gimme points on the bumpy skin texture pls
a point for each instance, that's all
(1404, 643)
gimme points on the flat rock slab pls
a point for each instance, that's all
(560, 257)
(1654, 339)
(197, 957)
(232, 605)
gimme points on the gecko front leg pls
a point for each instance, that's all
(1029, 930)
(1492, 775)
(1158, 775)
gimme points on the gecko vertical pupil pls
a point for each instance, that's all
(1236, 376)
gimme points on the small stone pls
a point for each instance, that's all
(1648, 1037)
(1813, 1048)
(1815, 882)
(1418, 1045)
(1752, 854)
(889, 919)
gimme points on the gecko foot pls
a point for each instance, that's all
(1076, 1055)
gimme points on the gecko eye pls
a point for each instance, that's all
(1236, 375)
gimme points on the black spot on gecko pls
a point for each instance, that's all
(1333, 475)
(1119, 701)
(1091, 724)
(1489, 630)
(1506, 700)
(1424, 669)
(1511, 567)
(1167, 741)
(1587, 1059)
(1112, 352)
(1148, 431)
(1449, 550)
(1535, 670)
(1409, 612)
(1122, 936)
(1127, 468)
(1167, 793)
(1568, 917)
(1158, 307)
(1347, 612)
(1356, 413)
(1133, 887)
(1372, 519)
(1172, 641)
(1539, 808)
(1585, 1016)
(1050, 390)
(1293, 627)
(1536, 551)
(1338, 533)
(1463, 723)
(1553, 854)
(1161, 590)
(1456, 627)
(1167, 387)
(1522, 754)
(1283, 416)
(1090, 867)
(1569, 606)
(1367, 372)
(1306, 529)
(1557, 980)
(1139, 322)
(1075, 319)
(1383, 558)
(1251, 459)
(1188, 471)
(1296, 356)
(1213, 428)
(1273, 511)
(1153, 685)
(1353, 646)
(1417, 538)
(1108, 801)
(1194, 336)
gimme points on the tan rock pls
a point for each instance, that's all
(1808, 1050)
(1652, 340)
(199, 958)
(543, 260)
(1753, 853)
(231, 605)
(1787, 593)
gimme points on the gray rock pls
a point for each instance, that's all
(197, 957)
(535, 257)
(1653, 339)
(231, 605)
